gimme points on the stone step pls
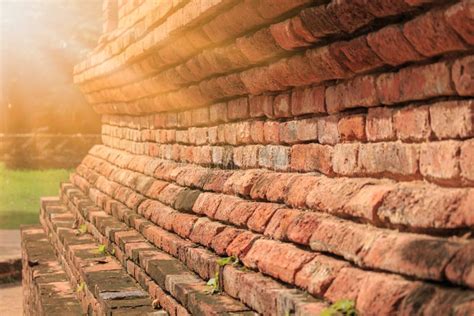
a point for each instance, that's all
(102, 285)
(46, 287)
(175, 287)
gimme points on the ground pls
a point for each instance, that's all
(20, 192)
(11, 299)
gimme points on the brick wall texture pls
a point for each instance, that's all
(326, 146)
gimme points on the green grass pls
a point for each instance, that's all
(20, 191)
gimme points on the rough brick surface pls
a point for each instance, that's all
(327, 146)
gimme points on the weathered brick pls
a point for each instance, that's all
(467, 160)
(279, 260)
(307, 100)
(311, 157)
(356, 55)
(352, 128)
(452, 119)
(281, 106)
(460, 18)
(238, 109)
(391, 46)
(439, 161)
(395, 159)
(412, 123)
(431, 35)
(380, 124)
(462, 74)
(327, 130)
(358, 92)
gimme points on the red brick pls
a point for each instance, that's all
(382, 293)
(358, 92)
(319, 21)
(285, 36)
(300, 30)
(204, 231)
(380, 124)
(298, 64)
(431, 35)
(412, 123)
(259, 45)
(228, 203)
(218, 113)
(238, 109)
(307, 100)
(452, 119)
(281, 105)
(346, 285)
(460, 269)
(460, 18)
(279, 222)
(271, 132)
(243, 132)
(302, 227)
(467, 160)
(327, 130)
(242, 244)
(318, 274)
(345, 159)
(261, 105)
(352, 128)
(311, 157)
(276, 259)
(392, 159)
(256, 132)
(463, 75)
(356, 55)
(325, 66)
(351, 15)
(439, 161)
(407, 204)
(242, 212)
(299, 131)
(261, 216)
(411, 254)
(415, 83)
(296, 190)
(391, 46)
(242, 181)
(223, 239)
(200, 116)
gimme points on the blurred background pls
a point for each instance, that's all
(46, 127)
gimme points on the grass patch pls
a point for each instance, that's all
(20, 191)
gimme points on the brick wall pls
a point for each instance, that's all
(328, 145)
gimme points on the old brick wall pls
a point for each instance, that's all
(328, 145)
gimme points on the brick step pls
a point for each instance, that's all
(167, 279)
(46, 287)
(261, 293)
(103, 286)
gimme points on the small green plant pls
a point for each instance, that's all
(233, 260)
(213, 284)
(340, 308)
(102, 249)
(80, 287)
(82, 229)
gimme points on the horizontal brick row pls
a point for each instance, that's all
(276, 221)
(46, 288)
(395, 160)
(204, 263)
(278, 260)
(104, 287)
(421, 205)
(451, 78)
(437, 121)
